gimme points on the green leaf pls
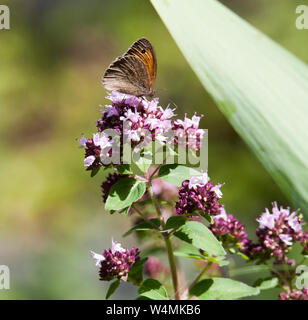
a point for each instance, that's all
(142, 298)
(175, 222)
(201, 237)
(144, 225)
(210, 219)
(143, 163)
(242, 255)
(176, 174)
(123, 193)
(249, 270)
(153, 290)
(219, 260)
(261, 88)
(265, 284)
(94, 171)
(124, 211)
(124, 169)
(222, 289)
(135, 274)
(112, 288)
(187, 250)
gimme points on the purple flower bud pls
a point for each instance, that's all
(115, 262)
(198, 193)
(294, 295)
(304, 241)
(230, 231)
(92, 155)
(277, 232)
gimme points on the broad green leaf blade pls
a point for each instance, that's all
(176, 174)
(249, 270)
(153, 290)
(175, 222)
(260, 87)
(123, 193)
(201, 237)
(112, 288)
(265, 284)
(143, 162)
(187, 250)
(222, 289)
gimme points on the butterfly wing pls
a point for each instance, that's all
(143, 49)
(128, 74)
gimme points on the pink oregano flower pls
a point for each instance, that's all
(115, 262)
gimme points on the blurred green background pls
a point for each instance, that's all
(51, 62)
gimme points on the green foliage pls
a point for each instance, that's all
(187, 250)
(265, 284)
(124, 211)
(112, 288)
(201, 237)
(144, 225)
(142, 163)
(95, 171)
(222, 289)
(135, 274)
(260, 87)
(175, 222)
(125, 192)
(176, 174)
(153, 289)
(124, 169)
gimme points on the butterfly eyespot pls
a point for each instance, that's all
(143, 51)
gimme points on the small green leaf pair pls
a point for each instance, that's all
(124, 193)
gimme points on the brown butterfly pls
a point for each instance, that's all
(134, 72)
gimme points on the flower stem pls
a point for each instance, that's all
(203, 271)
(145, 218)
(155, 202)
(172, 267)
(168, 244)
(155, 171)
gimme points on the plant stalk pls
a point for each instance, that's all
(168, 244)
(203, 271)
(172, 267)
(145, 218)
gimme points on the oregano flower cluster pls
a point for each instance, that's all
(278, 231)
(139, 122)
(199, 194)
(230, 231)
(180, 209)
(115, 263)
